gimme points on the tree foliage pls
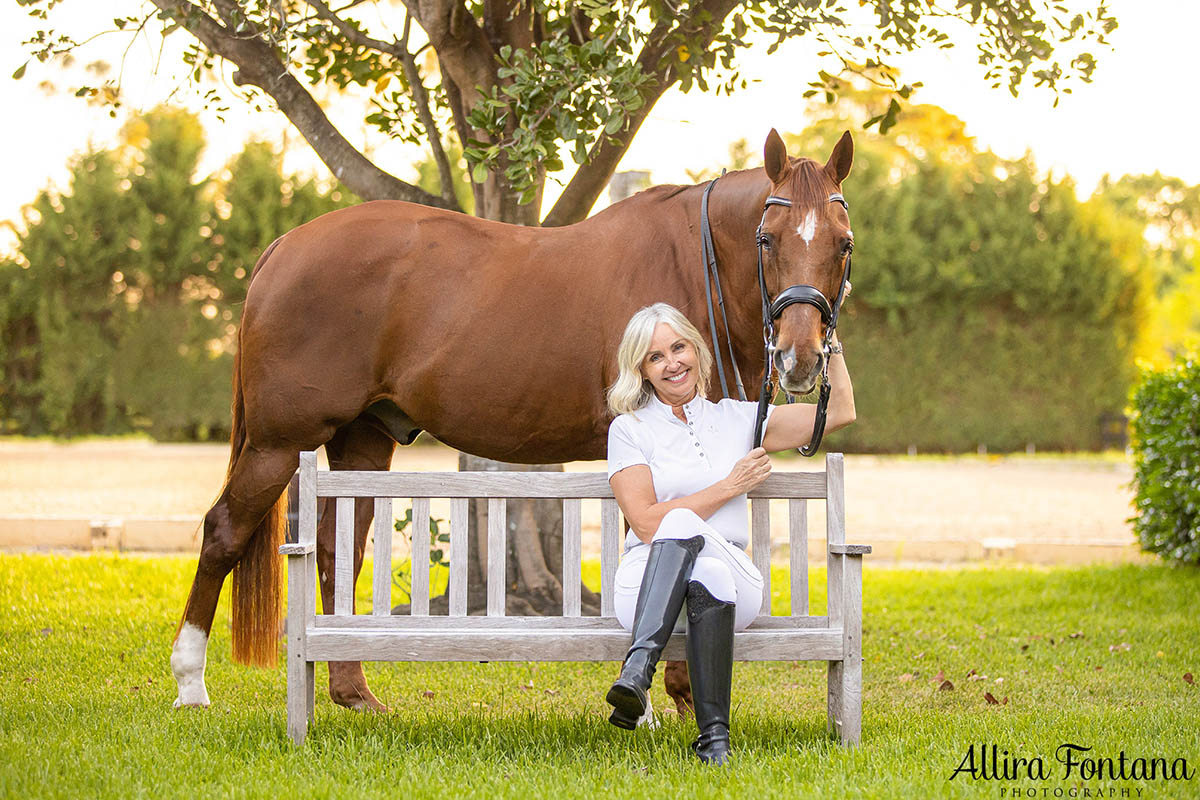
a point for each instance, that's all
(1168, 211)
(118, 314)
(519, 86)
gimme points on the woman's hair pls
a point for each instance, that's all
(631, 391)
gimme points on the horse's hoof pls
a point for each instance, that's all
(194, 702)
(360, 701)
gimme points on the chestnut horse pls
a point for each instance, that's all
(372, 323)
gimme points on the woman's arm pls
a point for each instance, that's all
(791, 426)
(633, 488)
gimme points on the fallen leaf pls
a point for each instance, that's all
(121, 657)
(427, 693)
(551, 692)
(906, 677)
(1118, 648)
(1004, 702)
(972, 672)
(525, 687)
(977, 677)
(991, 700)
(1188, 679)
(946, 686)
(46, 631)
(1024, 647)
(30, 680)
(1098, 668)
(941, 676)
(920, 654)
(999, 680)
(1076, 635)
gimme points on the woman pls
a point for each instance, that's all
(680, 467)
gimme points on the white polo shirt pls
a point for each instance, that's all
(685, 457)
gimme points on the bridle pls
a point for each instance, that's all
(771, 310)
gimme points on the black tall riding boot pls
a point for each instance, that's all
(710, 667)
(660, 599)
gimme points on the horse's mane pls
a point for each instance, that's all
(810, 185)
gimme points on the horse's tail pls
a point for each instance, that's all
(258, 576)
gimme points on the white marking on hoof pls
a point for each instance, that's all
(187, 662)
(809, 229)
(647, 718)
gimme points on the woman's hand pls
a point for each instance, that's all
(750, 470)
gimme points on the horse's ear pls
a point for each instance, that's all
(838, 165)
(775, 158)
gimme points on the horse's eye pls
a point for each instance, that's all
(847, 247)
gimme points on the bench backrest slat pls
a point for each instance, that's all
(381, 590)
(419, 565)
(798, 555)
(497, 552)
(572, 555)
(610, 543)
(835, 533)
(458, 556)
(343, 572)
(760, 543)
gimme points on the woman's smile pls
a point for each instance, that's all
(670, 366)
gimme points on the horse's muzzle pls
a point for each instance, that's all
(797, 375)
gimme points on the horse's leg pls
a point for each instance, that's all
(244, 529)
(358, 445)
(678, 686)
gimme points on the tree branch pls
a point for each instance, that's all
(459, 115)
(409, 62)
(591, 178)
(259, 66)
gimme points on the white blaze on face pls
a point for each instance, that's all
(187, 662)
(809, 228)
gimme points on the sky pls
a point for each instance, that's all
(1137, 116)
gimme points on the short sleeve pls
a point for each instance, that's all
(623, 447)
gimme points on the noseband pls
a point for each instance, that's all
(771, 310)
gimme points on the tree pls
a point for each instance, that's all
(515, 84)
(518, 84)
(1168, 211)
(117, 314)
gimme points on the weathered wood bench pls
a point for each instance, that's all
(381, 636)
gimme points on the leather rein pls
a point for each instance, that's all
(771, 310)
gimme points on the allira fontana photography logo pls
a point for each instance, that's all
(1072, 763)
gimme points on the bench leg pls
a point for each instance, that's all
(851, 667)
(301, 678)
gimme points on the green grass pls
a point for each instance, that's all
(86, 693)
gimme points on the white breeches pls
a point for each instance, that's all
(722, 567)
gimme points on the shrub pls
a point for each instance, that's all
(1166, 431)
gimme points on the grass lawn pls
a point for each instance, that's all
(1090, 656)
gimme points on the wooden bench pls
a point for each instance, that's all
(381, 636)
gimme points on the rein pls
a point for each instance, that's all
(771, 310)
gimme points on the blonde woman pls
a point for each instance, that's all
(680, 467)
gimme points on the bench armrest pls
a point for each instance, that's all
(849, 549)
(297, 549)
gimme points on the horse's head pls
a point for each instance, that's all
(804, 245)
